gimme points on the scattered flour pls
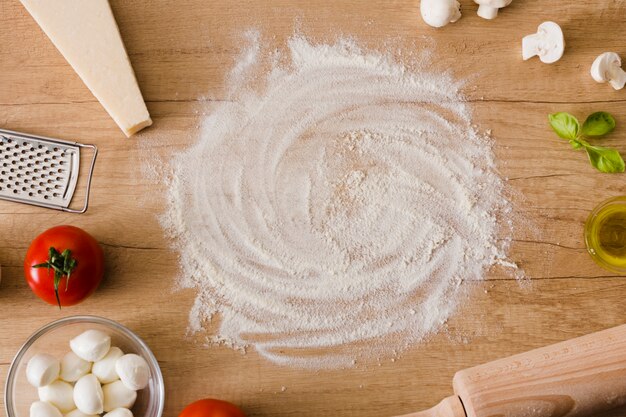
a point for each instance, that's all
(335, 212)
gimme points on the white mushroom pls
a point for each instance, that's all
(42, 369)
(73, 367)
(608, 68)
(133, 371)
(88, 395)
(488, 9)
(117, 395)
(60, 394)
(104, 369)
(44, 409)
(78, 413)
(119, 412)
(91, 345)
(548, 43)
(438, 13)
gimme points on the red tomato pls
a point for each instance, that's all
(211, 408)
(84, 263)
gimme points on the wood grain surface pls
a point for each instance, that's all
(182, 51)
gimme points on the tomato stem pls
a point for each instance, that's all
(63, 264)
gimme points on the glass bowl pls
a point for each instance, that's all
(54, 339)
(605, 234)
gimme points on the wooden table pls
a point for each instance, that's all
(182, 51)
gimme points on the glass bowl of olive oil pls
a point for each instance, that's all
(605, 235)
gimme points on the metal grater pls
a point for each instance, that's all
(41, 171)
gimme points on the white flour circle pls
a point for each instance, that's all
(337, 212)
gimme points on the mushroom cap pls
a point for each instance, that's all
(553, 46)
(602, 65)
(494, 3)
(438, 13)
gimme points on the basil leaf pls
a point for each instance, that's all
(565, 125)
(605, 159)
(598, 124)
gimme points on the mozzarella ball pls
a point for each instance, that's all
(91, 345)
(88, 395)
(42, 369)
(44, 409)
(119, 412)
(118, 395)
(78, 413)
(60, 394)
(104, 369)
(73, 367)
(133, 371)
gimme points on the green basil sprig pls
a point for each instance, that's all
(598, 124)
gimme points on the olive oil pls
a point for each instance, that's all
(605, 234)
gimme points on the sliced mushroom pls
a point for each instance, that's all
(608, 68)
(548, 43)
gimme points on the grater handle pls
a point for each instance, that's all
(94, 148)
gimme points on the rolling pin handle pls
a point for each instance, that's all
(448, 407)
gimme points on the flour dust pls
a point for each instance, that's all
(335, 213)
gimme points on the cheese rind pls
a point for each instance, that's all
(86, 34)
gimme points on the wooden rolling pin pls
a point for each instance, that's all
(579, 377)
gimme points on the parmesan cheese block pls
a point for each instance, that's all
(86, 34)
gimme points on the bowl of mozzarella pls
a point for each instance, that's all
(84, 366)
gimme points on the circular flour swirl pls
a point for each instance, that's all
(336, 213)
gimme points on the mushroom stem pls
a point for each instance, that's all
(530, 46)
(617, 77)
(487, 12)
